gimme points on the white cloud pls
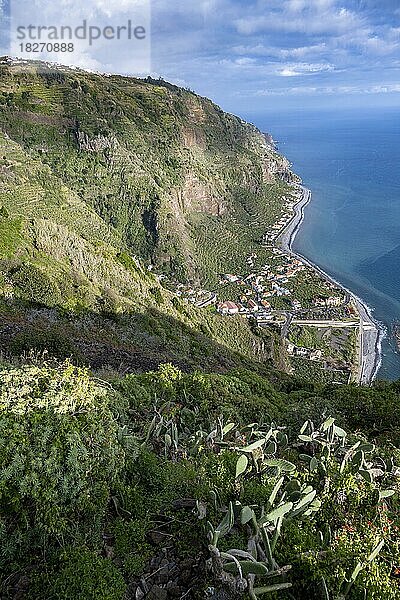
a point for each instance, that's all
(297, 69)
(378, 46)
(225, 47)
(92, 49)
(284, 53)
(245, 61)
(314, 17)
(69, 9)
(331, 90)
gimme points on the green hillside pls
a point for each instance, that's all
(101, 176)
(91, 168)
(179, 179)
(149, 449)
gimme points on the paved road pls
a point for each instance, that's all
(314, 323)
(285, 238)
(370, 342)
(285, 328)
(204, 303)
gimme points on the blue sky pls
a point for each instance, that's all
(257, 54)
(254, 55)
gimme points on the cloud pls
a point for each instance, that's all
(245, 61)
(314, 17)
(283, 53)
(379, 46)
(70, 9)
(297, 69)
(389, 88)
(121, 52)
(229, 49)
(278, 68)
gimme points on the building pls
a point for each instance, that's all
(334, 301)
(228, 308)
(331, 302)
(319, 302)
(352, 310)
(280, 291)
(301, 351)
(253, 306)
(296, 304)
(265, 304)
(231, 278)
(264, 319)
(258, 288)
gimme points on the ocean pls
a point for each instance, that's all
(350, 160)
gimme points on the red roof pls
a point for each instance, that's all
(229, 305)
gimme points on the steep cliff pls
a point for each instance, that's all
(178, 178)
(102, 175)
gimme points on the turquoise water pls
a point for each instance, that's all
(351, 162)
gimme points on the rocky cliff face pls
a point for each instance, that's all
(100, 176)
(167, 169)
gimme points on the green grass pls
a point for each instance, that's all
(11, 236)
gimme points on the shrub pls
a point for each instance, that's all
(131, 544)
(42, 341)
(156, 293)
(177, 304)
(59, 455)
(128, 262)
(35, 285)
(81, 574)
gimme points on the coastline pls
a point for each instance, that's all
(371, 333)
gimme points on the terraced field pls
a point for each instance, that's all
(91, 171)
(127, 148)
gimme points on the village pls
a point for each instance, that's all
(283, 292)
(258, 291)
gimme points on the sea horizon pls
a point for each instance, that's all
(351, 227)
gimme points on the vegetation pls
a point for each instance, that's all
(149, 450)
(338, 345)
(177, 181)
(98, 477)
(99, 177)
(308, 285)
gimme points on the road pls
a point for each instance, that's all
(286, 327)
(285, 238)
(370, 334)
(314, 323)
(370, 339)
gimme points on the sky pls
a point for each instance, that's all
(255, 55)
(258, 54)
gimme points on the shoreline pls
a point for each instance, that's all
(371, 333)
